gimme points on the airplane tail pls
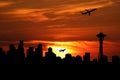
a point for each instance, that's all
(89, 13)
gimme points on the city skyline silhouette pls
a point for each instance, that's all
(60, 25)
(35, 55)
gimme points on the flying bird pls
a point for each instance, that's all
(62, 50)
(88, 11)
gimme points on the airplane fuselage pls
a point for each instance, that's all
(62, 50)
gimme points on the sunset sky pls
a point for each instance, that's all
(60, 24)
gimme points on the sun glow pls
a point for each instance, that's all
(66, 50)
(64, 46)
(72, 47)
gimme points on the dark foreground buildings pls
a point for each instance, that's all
(35, 56)
(17, 56)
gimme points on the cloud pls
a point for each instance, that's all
(8, 4)
(73, 8)
(4, 4)
(57, 26)
(55, 12)
(116, 1)
(27, 14)
(33, 18)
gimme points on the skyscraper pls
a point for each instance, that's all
(101, 38)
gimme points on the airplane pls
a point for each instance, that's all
(62, 50)
(88, 11)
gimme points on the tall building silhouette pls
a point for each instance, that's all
(12, 51)
(21, 49)
(101, 37)
(39, 51)
(50, 53)
(50, 56)
(86, 57)
(30, 53)
(2, 56)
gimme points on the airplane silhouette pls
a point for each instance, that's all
(88, 11)
(62, 50)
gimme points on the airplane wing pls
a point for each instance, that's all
(92, 10)
(83, 12)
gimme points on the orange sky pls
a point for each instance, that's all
(59, 20)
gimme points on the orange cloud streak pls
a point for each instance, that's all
(58, 11)
(73, 8)
(3, 4)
